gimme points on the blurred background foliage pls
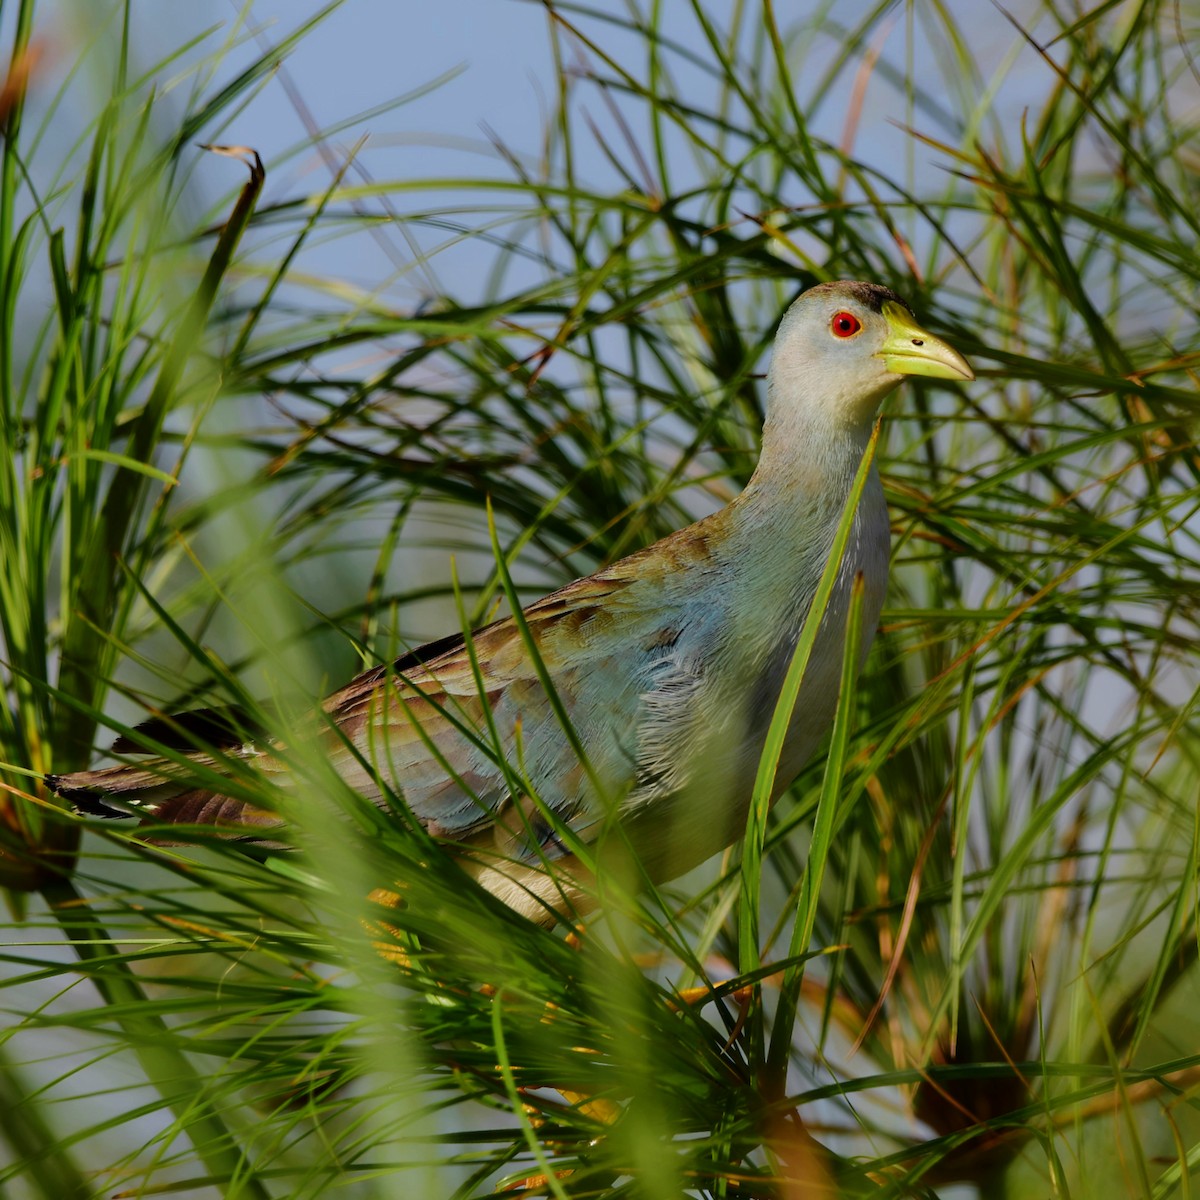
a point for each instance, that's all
(236, 471)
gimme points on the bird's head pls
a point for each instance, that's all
(841, 347)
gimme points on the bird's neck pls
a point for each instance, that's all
(784, 521)
(804, 474)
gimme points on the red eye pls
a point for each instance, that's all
(844, 325)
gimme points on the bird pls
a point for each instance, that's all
(641, 693)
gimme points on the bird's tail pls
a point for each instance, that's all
(165, 791)
(144, 792)
(118, 791)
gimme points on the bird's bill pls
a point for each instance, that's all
(910, 350)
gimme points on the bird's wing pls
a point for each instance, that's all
(456, 738)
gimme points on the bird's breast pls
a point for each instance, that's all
(866, 555)
(701, 749)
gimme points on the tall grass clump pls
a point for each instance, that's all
(959, 958)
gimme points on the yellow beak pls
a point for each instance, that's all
(909, 350)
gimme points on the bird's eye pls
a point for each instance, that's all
(844, 325)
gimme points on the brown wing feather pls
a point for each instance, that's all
(409, 720)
